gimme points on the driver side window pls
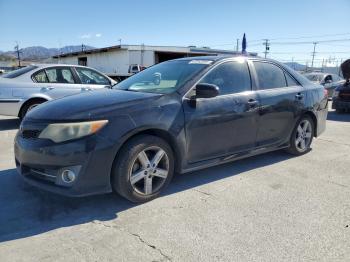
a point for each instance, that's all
(230, 77)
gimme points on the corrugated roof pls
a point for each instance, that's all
(189, 49)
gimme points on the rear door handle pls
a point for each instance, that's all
(252, 102)
(48, 88)
(299, 96)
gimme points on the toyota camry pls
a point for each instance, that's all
(175, 117)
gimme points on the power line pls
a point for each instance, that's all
(326, 42)
(308, 37)
(311, 42)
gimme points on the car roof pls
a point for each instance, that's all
(40, 66)
(224, 57)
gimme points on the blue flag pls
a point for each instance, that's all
(244, 45)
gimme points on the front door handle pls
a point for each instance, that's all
(299, 96)
(252, 102)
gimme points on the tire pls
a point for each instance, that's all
(302, 132)
(133, 175)
(29, 106)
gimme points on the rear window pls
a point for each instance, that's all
(270, 76)
(19, 72)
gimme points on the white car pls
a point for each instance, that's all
(23, 89)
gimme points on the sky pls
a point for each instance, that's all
(216, 24)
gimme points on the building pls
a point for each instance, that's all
(116, 61)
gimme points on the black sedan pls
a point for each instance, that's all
(177, 116)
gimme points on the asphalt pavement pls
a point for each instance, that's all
(272, 207)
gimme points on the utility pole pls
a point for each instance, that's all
(83, 47)
(267, 46)
(142, 53)
(18, 54)
(313, 54)
(322, 65)
(120, 41)
(293, 63)
(237, 44)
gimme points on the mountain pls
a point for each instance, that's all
(295, 66)
(40, 52)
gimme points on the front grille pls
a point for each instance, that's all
(30, 134)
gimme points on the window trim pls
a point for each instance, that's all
(246, 61)
(284, 73)
(287, 73)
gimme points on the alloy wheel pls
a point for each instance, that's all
(149, 170)
(303, 135)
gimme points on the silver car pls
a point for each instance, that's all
(23, 89)
(329, 81)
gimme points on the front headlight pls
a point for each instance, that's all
(68, 131)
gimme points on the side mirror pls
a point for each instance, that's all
(206, 90)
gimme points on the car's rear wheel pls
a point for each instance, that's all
(143, 168)
(302, 136)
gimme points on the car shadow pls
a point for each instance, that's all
(9, 124)
(27, 211)
(341, 117)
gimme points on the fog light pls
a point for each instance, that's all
(68, 176)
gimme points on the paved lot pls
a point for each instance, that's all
(271, 207)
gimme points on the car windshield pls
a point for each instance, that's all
(163, 78)
(19, 72)
(314, 77)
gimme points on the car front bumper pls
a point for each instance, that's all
(41, 163)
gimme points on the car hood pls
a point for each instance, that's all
(91, 105)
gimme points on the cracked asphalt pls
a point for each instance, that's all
(272, 207)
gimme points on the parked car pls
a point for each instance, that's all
(25, 88)
(341, 98)
(329, 81)
(177, 116)
(341, 95)
(135, 68)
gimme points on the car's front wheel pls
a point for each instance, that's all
(143, 168)
(302, 136)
